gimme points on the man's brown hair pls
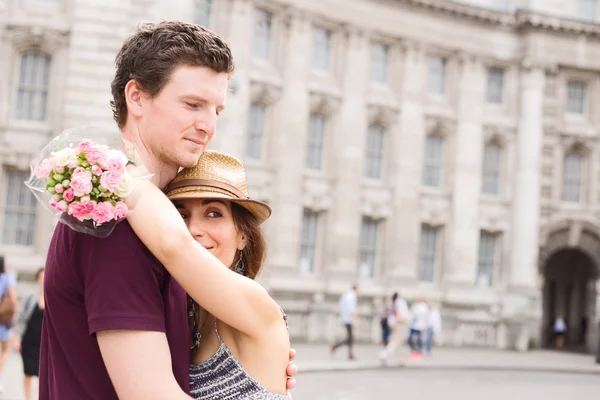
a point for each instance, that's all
(152, 53)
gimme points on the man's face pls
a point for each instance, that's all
(178, 123)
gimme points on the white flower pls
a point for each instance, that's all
(62, 158)
(125, 185)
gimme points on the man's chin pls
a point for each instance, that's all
(189, 160)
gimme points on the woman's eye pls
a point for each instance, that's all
(214, 214)
(183, 215)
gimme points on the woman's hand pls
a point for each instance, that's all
(291, 372)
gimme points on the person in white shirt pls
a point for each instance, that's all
(434, 326)
(560, 329)
(418, 327)
(397, 320)
(349, 318)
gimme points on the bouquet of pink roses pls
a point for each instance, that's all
(84, 180)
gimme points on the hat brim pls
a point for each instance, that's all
(257, 208)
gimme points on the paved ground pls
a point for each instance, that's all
(405, 383)
(453, 372)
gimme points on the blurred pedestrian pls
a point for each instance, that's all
(385, 326)
(418, 327)
(348, 313)
(434, 326)
(27, 333)
(560, 330)
(397, 320)
(8, 307)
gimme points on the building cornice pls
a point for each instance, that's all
(518, 20)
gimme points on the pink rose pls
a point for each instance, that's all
(84, 146)
(103, 212)
(110, 180)
(60, 169)
(61, 206)
(96, 170)
(78, 210)
(95, 154)
(59, 188)
(53, 201)
(114, 164)
(82, 211)
(81, 183)
(68, 195)
(43, 170)
(121, 210)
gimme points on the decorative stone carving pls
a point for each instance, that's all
(440, 126)
(324, 103)
(380, 114)
(264, 93)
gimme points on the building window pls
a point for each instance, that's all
(432, 170)
(437, 75)
(316, 134)
(495, 85)
(374, 151)
(427, 253)
(576, 93)
(379, 62)
(491, 168)
(32, 91)
(202, 12)
(262, 34)
(368, 247)
(587, 10)
(572, 177)
(19, 210)
(308, 244)
(487, 259)
(322, 48)
(256, 131)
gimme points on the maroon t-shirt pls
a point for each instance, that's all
(93, 285)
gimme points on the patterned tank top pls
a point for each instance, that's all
(222, 377)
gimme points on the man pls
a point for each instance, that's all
(115, 325)
(349, 318)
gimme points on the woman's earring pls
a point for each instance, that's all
(239, 266)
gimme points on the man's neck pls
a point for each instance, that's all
(162, 173)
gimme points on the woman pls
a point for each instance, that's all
(397, 320)
(8, 302)
(240, 341)
(28, 332)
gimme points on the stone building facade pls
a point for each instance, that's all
(442, 149)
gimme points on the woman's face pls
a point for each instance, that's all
(211, 223)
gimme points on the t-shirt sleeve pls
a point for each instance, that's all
(122, 282)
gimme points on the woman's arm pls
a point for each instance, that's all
(234, 299)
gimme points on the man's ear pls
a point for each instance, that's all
(134, 97)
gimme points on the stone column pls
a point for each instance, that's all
(526, 194)
(408, 165)
(461, 262)
(347, 161)
(289, 131)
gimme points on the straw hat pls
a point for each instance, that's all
(217, 176)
